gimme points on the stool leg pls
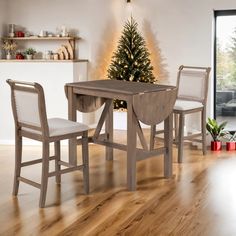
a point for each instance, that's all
(44, 178)
(85, 161)
(203, 123)
(18, 158)
(176, 128)
(181, 138)
(57, 149)
(168, 141)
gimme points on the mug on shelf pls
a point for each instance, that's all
(43, 33)
(19, 34)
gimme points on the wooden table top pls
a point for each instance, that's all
(120, 86)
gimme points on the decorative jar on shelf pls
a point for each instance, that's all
(48, 55)
(8, 56)
(11, 30)
(19, 56)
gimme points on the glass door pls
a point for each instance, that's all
(225, 68)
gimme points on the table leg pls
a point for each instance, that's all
(131, 148)
(109, 132)
(72, 116)
(152, 136)
(168, 142)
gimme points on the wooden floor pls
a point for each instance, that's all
(200, 199)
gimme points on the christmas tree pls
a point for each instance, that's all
(131, 60)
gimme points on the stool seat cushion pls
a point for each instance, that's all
(59, 126)
(184, 105)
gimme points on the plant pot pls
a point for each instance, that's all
(8, 56)
(29, 57)
(216, 145)
(230, 146)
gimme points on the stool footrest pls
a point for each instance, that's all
(30, 182)
(54, 173)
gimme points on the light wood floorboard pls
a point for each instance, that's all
(200, 199)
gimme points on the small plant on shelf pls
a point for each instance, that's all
(10, 48)
(29, 52)
(217, 131)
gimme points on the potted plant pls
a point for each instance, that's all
(29, 52)
(230, 144)
(9, 47)
(217, 132)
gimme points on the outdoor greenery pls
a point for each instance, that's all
(131, 60)
(226, 64)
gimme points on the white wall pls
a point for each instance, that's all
(182, 29)
(3, 10)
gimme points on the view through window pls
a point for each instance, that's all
(225, 55)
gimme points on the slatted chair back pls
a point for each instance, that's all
(192, 83)
(28, 105)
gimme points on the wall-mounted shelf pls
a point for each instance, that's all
(42, 60)
(40, 38)
(66, 52)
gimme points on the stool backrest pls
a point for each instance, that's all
(28, 106)
(192, 83)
